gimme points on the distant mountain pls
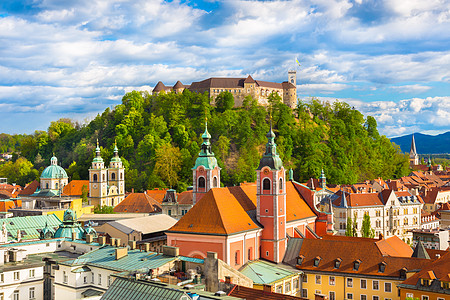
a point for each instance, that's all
(425, 144)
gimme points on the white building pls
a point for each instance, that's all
(391, 213)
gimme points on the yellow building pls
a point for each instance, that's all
(352, 268)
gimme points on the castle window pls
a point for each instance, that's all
(215, 182)
(113, 176)
(94, 178)
(266, 184)
(201, 182)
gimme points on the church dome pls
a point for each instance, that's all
(54, 171)
(69, 226)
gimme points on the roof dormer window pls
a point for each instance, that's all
(356, 265)
(317, 261)
(337, 263)
(381, 267)
(300, 259)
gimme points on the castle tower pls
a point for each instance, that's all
(116, 179)
(98, 182)
(413, 157)
(206, 172)
(271, 202)
(292, 77)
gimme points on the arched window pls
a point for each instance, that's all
(236, 257)
(56, 185)
(46, 185)
(201, 182)
(215, 182)
(266, 184)
(121, 176)
(94, 178)
(281, 183)
(113, 176)
(103, 177)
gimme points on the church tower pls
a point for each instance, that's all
(292, 77)
(271, 202)
(206, 172)
(116, 179)
(98, 182)
(413, 156)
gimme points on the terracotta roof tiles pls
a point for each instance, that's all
(138, 203)
(74, 188)
(439, 268)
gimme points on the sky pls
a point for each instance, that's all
(73, 59)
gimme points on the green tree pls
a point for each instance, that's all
(104, 209)
(366, 230)
(349, 227)
(60, 128)
(84, 194)
(224, 101)
(20, 171)
(168, 163)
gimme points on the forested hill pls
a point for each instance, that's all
(153, 130)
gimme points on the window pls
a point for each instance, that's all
(266, 184)
(215, 182)
(32, 273)
(16, 275)
(267, 253)
(103, 177)
(31, 293)
(425, 297)
(64, 277)
(99, 279)
(305, 278)
(300, 259)
(113, 176)
(2, 277)
(236, 258)
(2, 296)
(281, 183)
(375, 298)
(109, 280)
(387, 287)
(349, 296)
(332, 280)
(316, 261)
(318, 279)
(363, 284)
(169, 212)
(332, 296)
(349, 282)
(337, 263)
(279, 289)
(249, 254)
(287, 287)
(95, 178)
(304, 293)
(201, 182)
(356, 264)
(375, 285)
(92, 278)
(85, 279)
(16, 295)
(363, 297)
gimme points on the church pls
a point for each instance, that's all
(106, 185)
(246, 222)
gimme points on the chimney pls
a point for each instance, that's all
(132, 245)
(211, 270)
(147, 247)
(267, 288)
(102, 240)
(113, 241)
(132, 190)
(121, 252)
(171, 251)
(118, 242)
(74, 235)
(89, 238)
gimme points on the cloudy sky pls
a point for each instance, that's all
(64, 58)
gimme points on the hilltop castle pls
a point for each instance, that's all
(239, 87)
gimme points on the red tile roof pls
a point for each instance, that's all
(350, 250)
(185, 197)
(439, 268)
(157, 194)
(361, 199)
(138, 203)
(30, 188)
(218, 212)
(74, 188)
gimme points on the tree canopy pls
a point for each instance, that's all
(315, 135)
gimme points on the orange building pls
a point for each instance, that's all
(245, 222)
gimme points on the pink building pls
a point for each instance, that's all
(246, 222)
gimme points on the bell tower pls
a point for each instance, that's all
(206, 172)
(98, 183)
(116, 179)
(271, 202)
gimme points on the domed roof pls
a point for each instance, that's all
(70, 225)
(54, 171)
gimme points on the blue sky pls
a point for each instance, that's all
(389, 59)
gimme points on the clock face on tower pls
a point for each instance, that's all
(266, 171)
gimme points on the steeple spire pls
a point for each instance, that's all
(271, 157)
(413, 146)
